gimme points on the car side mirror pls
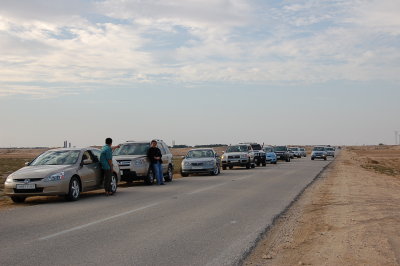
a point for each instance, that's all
(27, 163)
(183, 157)
(87, 161)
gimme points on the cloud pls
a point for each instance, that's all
(87, 44)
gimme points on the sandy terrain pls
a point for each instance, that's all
(349, 216)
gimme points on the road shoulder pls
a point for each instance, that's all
(349, 216)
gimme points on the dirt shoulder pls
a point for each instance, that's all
(349, 216)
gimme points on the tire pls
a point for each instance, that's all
(184, 174)
(325, 159)
(114, 184)
(253, 165)
(170, 174)
(215, 171)
(74, 189)
(231, 167)
(312, 158)
(149, 179)
(248, 166)
(223, 167)
(264, 164)
(18, 199)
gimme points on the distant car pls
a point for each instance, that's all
(296, 151)
(201, 161)
(319, 152)
(135, 165)
(270, 154)
(303, 152)
(291, 153)
(238, 155)
(65, 172)
(282, 153)
(259, 154)
(330, 151)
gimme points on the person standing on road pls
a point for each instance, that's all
(155, 155)
(106, 165)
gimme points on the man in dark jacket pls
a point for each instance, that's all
(155, 155)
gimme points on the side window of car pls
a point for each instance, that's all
(166, 148)
(95, 155)
(161, 147)
(86, 156)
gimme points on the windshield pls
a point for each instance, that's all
(280, 148)
(256, 147)
(319, 149)
(200, 154)
(57, 158)
(237, 148)
(268, 149)
(329, 149)
(132, 149)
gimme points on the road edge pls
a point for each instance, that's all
(269, 227)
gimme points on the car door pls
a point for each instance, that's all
(87, 171)
(98, 172)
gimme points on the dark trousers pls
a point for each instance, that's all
(107, 180)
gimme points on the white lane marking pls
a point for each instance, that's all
(204, 189)
(97, 222)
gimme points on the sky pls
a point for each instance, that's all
(199, 71)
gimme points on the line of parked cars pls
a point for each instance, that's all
(70, 171)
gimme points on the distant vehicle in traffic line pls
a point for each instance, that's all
(259, 154)
(303, 152)
(330, 151)
(238, 155)
(270, 154)
(282, 153)
(201, 161)
(66, 172)
(319, 152)
(296, 151)
(135, 165)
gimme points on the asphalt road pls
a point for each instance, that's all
(197, 220)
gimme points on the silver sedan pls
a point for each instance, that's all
(201, 161)
(65, 172)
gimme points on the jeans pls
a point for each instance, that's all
(107, 180)
(157, 170)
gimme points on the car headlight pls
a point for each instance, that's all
(210, 163)
(55, 177)
(138, 162)
(245, 156)
(185, 163)
(223, 157)
(9, 179)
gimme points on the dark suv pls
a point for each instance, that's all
(282, 153)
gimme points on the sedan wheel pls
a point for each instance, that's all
(74, 189)
(114, 184)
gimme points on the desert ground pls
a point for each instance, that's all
(348, 216)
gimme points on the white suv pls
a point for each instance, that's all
(238, 155)
(135, 165)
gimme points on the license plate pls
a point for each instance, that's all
(26, 186)
(196, 167)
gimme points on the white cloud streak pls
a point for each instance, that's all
(82, 44)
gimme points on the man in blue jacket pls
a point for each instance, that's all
(106, 165)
